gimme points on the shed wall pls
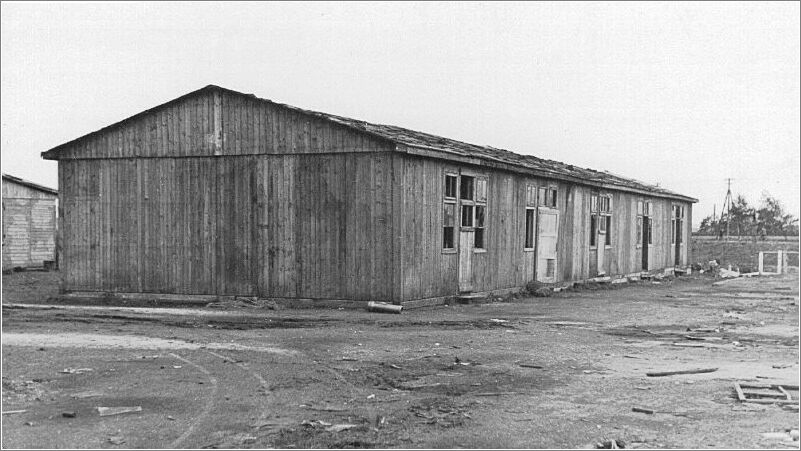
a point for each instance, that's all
(29, 226)
(280, 226)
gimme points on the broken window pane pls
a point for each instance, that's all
(479, 239)
(593, 229)
(480, 215)
(608, 241)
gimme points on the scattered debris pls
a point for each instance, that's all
(107, 411)
(500, 393)
(643, 388)
(75, 370)
(372, 396)
(324, 408)
(611, 444)
(68, 414)
(340, 427)
(756, 393)
(30, 423)
(641, 410)
(170, 417)
(783, 365)
(87, 394)
(788, 435)
(671, 373)
(629, 356)
(116, 440)
(495, 320)
(531, 365)
(315, 423)
(383, 307)
(9, 412)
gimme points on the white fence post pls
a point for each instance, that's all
(761, 263)
(779, 259)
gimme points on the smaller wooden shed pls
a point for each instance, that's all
(29, 224)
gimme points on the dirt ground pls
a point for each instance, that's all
(557, 372)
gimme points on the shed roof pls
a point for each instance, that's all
(444, 147)
(30, 184)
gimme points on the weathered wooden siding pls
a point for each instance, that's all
(326, 226)
(429, 272)
(29, 226)
(282, 226)
(220, 123)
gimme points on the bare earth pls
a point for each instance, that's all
(558, 372)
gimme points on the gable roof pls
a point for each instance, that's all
(441, 147)
(30, 184)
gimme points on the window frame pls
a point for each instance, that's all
(530, 208)
(454, 203)
(480, 180)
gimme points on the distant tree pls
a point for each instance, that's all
(744, 220)
(772, 218)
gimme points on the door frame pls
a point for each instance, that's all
(538, 245)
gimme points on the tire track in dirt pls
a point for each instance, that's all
(209, 404)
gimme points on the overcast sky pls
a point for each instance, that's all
(684, 95)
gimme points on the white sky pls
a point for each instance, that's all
(683, 94)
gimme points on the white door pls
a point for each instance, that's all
(601, 244)
(547, 237)
(466, 237)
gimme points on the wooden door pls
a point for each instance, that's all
(677, 250)
(601, 245)
(466, 243)
(645, 240)
(547, 238)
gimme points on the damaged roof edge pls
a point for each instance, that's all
(410, 139)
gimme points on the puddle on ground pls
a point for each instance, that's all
(99, 341)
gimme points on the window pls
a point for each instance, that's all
(531, 205)
(643, 212)
(547, 197)
(529, 228)
(449, 213)
(448, 226)
(466, 191)
(650, 231)
(639, 229)
(467, 216)
(479, 234)
(450, 186)
(531, 196)
(481, 190)
(600, 219)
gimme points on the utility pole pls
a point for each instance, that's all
(727, 207)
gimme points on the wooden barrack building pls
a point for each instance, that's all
(223, 193)
(29, 224)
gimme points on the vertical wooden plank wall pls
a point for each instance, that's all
(29, 226)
